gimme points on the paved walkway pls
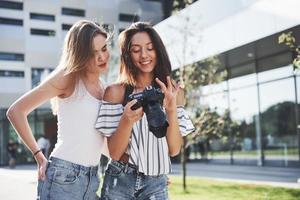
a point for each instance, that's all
(20, 183)
(275, 176)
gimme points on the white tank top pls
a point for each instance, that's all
(77, 138)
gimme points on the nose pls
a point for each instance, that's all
(144, 53)
(101, 57)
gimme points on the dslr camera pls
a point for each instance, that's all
(151, 99)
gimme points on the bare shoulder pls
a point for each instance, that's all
(180, 97)
(114, 93)
(59, 82)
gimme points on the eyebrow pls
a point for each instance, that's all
(140, 45)
(101, 48)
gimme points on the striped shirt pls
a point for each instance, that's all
(149, 153)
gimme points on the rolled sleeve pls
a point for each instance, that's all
(108, 118)
(185, 123)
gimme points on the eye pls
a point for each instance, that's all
(135, 50)
(104, 49)
(150, 47)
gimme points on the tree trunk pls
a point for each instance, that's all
(184, 159)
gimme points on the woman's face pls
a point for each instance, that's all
(99, 61)
(142, 52)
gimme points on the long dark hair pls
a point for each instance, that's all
(128, 71)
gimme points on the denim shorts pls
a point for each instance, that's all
(66, 180)
(123, 181)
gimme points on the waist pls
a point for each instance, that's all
(84, 152)
(127, 168)
(72, 166)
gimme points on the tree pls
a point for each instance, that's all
(172, 6)
(289, 40)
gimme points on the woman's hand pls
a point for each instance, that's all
(42, 165)
(170, 91)
(130, 115)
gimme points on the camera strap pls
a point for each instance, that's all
(128, 91)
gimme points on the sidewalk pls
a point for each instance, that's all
(20, 183)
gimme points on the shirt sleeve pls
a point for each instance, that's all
(185, 123)
(108, 118)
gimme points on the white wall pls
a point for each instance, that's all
(45, 51)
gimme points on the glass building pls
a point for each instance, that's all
(260, 95)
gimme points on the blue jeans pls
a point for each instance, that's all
(66, 180)
(123, 181)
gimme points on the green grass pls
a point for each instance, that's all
(205, 189)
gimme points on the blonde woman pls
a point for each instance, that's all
(71, 171)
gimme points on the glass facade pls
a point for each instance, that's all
(41, 121)
(261, 95)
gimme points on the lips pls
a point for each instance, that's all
(102, 65)
(145, 62)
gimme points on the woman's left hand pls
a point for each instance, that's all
(170, 91)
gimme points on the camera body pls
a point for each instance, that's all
(151, 99)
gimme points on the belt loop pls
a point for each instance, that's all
(126, 168)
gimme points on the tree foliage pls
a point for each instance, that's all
(289, 40)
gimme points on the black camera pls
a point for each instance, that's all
(151, 100)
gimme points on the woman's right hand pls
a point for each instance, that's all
(41, 165)
(130, 115)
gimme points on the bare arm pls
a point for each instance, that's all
(174, 137)
(118, 142)
(19, 110)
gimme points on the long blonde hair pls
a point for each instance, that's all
(77, 50)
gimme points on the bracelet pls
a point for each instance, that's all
(38, 151)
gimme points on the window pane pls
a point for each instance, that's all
(9, 21)
(42, 17)
(243, 111)
(66, 27)
(11, 56)
(275, 73)
(278, 125)
(42, 32)
(73, 12)
(242, 81)
(128, 17)
(5, 73)
(11, 5)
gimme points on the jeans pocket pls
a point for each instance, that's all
(39, 189)
(64, 176)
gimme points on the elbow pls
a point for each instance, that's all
(11, 112)
(175, 149)
(174, 152)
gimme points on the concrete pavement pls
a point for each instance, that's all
(18, 183)
(275, 176)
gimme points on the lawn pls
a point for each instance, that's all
(205, 189)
